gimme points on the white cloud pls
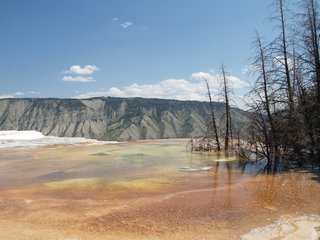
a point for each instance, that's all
(80, 74)
(86, 70)
(167, 89)
(126, 24)
(249, 69)
(115, 19)
(215, 80)
(34, 93)
(12, 95)
(279, 61)
(237, 82)
(18, 94)
(179, 89)
(82, 79)
(7, 96)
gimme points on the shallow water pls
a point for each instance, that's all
(148, 190)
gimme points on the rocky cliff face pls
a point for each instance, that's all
(109, 118)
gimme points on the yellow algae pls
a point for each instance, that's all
(71, 186)
(145, 184)
(99, 186)
(74, 183)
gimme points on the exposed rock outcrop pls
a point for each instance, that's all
(109, 118)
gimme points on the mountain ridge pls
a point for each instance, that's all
(109, 118)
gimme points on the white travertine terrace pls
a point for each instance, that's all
(10, 139)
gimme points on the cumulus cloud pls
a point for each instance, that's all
(167, 89)
(203, 75)
(179, 89)
(237, 82)
(126, 24)
(80, 74)
(279, 61)
(83, 79)
(86, 70)
(215, 80)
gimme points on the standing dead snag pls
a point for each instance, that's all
(214, 129)
(308, 33)
(228, 133)
(210, 141)
(263, 82)
(284, 51)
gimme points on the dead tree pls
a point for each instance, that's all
(309, 87)
(228, 131)
(280, 47)
(264, 81)
(263, 138)
(310, 37)
(214, 129)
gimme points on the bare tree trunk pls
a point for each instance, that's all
(314, 24)
(227, 109)
(213, 119)
(313, 35)
(309, 30)
(285, 56)
(265, 81)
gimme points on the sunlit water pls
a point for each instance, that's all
(150, 190)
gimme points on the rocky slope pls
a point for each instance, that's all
(109, 118)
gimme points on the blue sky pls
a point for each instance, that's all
(148, 48)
